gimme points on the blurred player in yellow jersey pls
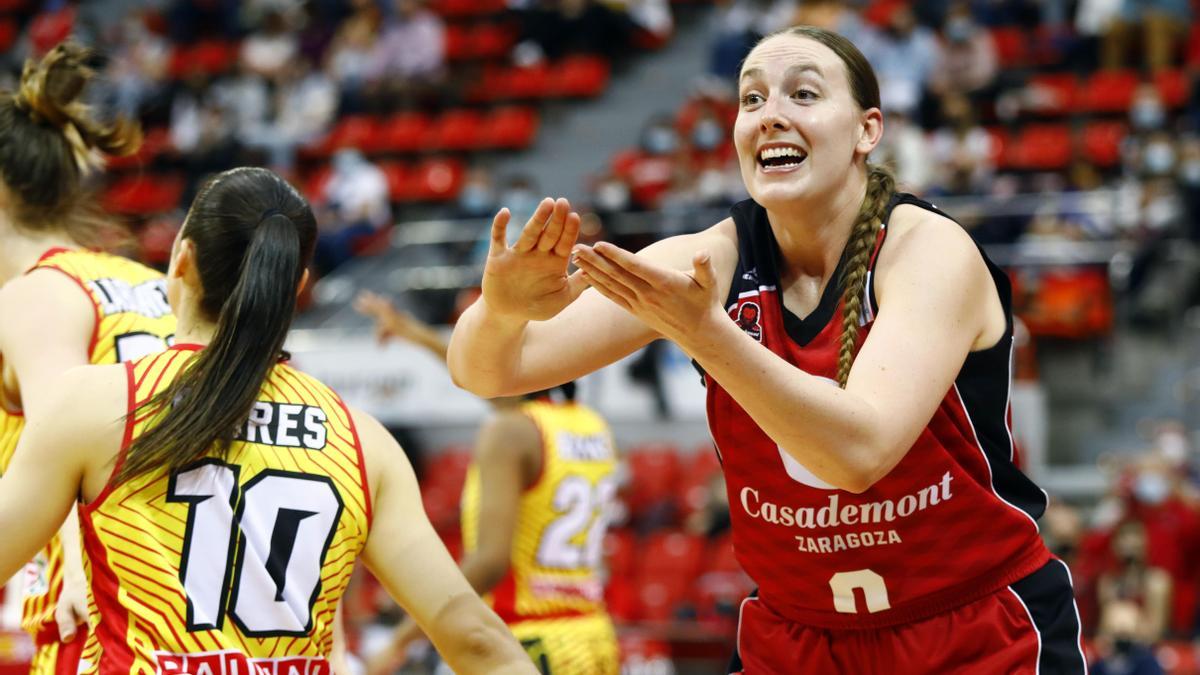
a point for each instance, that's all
(226, 496)
(62, 304)
(535, 507)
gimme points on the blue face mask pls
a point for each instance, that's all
(1147, 115)
(1151, 488)
(958, 29)
(475, 200)
(660, 141)
(1158, 158)
(707, 135)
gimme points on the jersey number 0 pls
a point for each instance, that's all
(257, 549)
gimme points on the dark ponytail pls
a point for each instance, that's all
(253, 236)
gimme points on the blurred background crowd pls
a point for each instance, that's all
(1063, 134)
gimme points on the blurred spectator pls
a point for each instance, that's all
(553, 28)
(410, 55)
(904, 60)
(906, 148)
(738, 25)
(1189, 184)
(202, 132)
(1123, 651)
(712, 518)
(355, 207)
(137, 66)
(652, 169)
(1133, 580)
(962, 150)
(1147, 111)
(477, 199)
(840, 17)
(245, 99)
(305, 102)
(968, 61)
(348, 60)
(270, 49)
(1164, 25)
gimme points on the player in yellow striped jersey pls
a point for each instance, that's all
(225, 496)
(62, 305)
(535, 508)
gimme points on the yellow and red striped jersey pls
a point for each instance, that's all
(557, 544)
(132, 319)
(236, 564)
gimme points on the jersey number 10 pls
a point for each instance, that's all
(256, 549)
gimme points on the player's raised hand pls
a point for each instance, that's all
(529, 280)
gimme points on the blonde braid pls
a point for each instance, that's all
(857, 254)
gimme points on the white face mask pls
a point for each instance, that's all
(1159, 157)
(1147, 114)
(1189, 173)
(1151, 488)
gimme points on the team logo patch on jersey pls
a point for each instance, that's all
(748, 317)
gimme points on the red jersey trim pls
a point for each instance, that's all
(50, 253)
(362, 463)
(126, 439)
(92, 301)
(504, 598)
(112, 630)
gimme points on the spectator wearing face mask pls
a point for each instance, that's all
(968, 62)
(651, 170)
(1123, 652)
(1133, 580)
(356, 205)
(1188, 175)
(1172, 530)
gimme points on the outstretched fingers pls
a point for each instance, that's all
(500, 230)
(533, 228)
(554, 226)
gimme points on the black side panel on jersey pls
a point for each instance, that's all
(987, 405)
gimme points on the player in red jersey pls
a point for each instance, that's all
(857, 349)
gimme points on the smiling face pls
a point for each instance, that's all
(799, 131)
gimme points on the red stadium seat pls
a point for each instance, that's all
(208, 57)
(580, 77)
(490, 41)
(621, 599)
(510, 128)
(619, 552)
(1012, 46)
(530, 82)
(1056, 93)
(8, 34)
(673, 553)
(721, 556)
(437, 179)
(1173, 86)
(1000, 143)
(314, 183)
(144, 195)
(1108, 91)
(697, 471)
(660, 595)
(404, 132)
(654, 475)
(1041, 147)
(467, 8)
(458, 43)
(1102, 142)
(457, 130)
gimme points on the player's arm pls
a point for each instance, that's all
(495, 353)
(67, 447)
(936, 298)
(51, 326)
(508, 454)
(405, 554)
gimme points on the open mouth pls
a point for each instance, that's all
(781, 157)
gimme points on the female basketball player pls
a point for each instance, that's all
(62, 305)
(225, 495)
(857, 347)
(534, 530)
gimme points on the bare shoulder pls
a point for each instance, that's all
(83, 421)
(923, 245)
(40, 286)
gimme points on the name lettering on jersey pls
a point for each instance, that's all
(148, 298)
(592, 448)
(236, 663)
(285, 425)
(834, 514)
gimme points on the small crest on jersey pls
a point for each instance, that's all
(748, 317)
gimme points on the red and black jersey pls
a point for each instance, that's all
(953, 521)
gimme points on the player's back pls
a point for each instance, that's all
(234, 562)
(561, 521)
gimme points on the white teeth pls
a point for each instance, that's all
(775, 153)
